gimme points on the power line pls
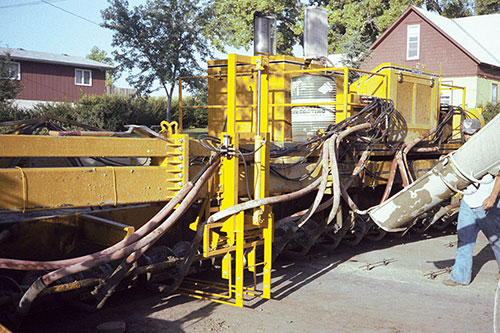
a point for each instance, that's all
(67, 11)
(32, 3)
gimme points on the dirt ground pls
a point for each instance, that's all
(321, 293)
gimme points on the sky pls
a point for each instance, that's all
(72, 28)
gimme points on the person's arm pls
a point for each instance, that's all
(490, 201)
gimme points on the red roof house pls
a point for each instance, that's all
(466, 51)
(49, 77)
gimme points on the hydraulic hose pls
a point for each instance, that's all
(148, 240)
(335, 177)
(322, 186)
(141, 232)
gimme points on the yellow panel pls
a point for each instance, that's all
(68, 146)
(43, 188)
(415, 94)
(245, 88)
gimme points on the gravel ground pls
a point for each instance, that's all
(321, 293)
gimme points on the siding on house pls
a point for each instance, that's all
(437, 53)
(456, 96)
(56, 82)
(464, 51)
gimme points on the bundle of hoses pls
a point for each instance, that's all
(329, 168)
(130, 248)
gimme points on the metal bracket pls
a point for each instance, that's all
(370, 266)
(227, 149)
(434, 274)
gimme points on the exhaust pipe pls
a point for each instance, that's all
(264, 34)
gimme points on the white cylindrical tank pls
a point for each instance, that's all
(312, 89)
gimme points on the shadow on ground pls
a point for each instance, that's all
(137, 308)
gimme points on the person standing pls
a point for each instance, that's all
(479, 210)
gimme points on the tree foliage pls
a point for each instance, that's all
(232, 23)
(483, 7)
(158, 42)
(490, 110)
(9, 87)
(102, 56)
(354, 24)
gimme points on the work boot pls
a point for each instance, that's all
(452, 283)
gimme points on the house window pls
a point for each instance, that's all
(14, 72)
(83, 77)
(413, 42)
(494, 93)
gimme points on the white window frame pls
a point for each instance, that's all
(412, 31)
(494, 92)
(18, 75)
(83, 76)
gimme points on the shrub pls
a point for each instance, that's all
(490, 110)
(112, 112)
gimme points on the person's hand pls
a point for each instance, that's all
(489, 202)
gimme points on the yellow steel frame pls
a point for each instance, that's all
(345, 100)
(238, 236)
(457, 120)
(70, 187)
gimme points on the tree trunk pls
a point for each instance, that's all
(169, 103)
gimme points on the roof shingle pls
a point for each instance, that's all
(53, 58)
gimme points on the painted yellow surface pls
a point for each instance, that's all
(415, 94)
(38, 188)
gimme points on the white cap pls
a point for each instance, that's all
(471, 126)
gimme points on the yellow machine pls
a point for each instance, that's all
(97, 211)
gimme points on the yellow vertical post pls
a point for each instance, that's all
(229, 181)
(386, 82)
(239, 256)
(463, 98)
(229, 169)
(180, 106)
(262, 216)
(346, 91)
(268, 253)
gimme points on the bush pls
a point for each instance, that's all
(10, 112)
(490, 110)
(112, 112)
(61, 110)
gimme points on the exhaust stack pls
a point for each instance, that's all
(315, 32)
(264, 34)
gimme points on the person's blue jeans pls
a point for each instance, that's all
(470, 221)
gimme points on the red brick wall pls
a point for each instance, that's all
(52, 82)
(434, 50)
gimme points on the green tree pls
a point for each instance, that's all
(158, 42)
(232, 23)
(490, 110)
(483, 7)
(350, 21)
(456, 8)
(102, 56)
(10, 87)
(354, 24)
